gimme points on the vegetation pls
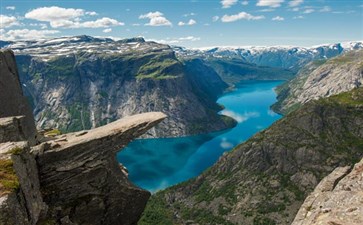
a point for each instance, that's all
(233, 71)
(15, 151)
(157, 212)
(160, 67)
(53, 133)
(8, 179)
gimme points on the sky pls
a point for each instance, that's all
(189, 23)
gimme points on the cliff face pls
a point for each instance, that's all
(92, 82)
(321, 79)
(13, 103)
(265, 180)
(70, 179)
(336, 200)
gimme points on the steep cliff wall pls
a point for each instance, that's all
(13, 103)
(87, 82)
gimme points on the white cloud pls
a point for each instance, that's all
(189, 38)
(92, 13)
(270, 3)
(41, 25)
(189, 14)
(103, 22)
(244, 2)
(156, 19)
(267, 10)
(10, 7)
(54, 13)
(240, 16)
(107, 30)
(228, 3)
(215, 18)
(295, 3)
(136, 24)
(191, 22)
(178, 40)
(69, 18)
(26, 34)
(278, 18)
(295, 9)
(8, 21)
(325, 9)
(308, 11)
(298, 17)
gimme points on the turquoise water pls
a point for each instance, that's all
(156, 164)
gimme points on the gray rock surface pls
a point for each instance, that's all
(20, 199)
(322, 79)
(81, 179)
(13, 103)
(338, 199)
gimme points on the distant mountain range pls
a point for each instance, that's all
(287, 57)
(81, 82)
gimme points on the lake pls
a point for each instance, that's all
(156, 164)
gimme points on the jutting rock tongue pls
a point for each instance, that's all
(69, 179)
(12, 100)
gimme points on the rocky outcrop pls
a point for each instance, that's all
(21, 201)
(13, 103)
(81, 180)
(321, 79)
(71, 179)
(337, 199)
(266, 179)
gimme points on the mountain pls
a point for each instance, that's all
(266, 179)
(287, 57)
(82, 82)
(321, 78)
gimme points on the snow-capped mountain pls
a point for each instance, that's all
(275, 56)
(49, 48)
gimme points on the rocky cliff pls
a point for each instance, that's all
(321, 79)
(336, 200)
(266, 179)
(82, 82)
(70, 179)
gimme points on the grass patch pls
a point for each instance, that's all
(15, 151)
(9, 181)
(53, 133)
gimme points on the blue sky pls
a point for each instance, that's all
(190, 23)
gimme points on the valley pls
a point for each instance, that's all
(158, 163)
